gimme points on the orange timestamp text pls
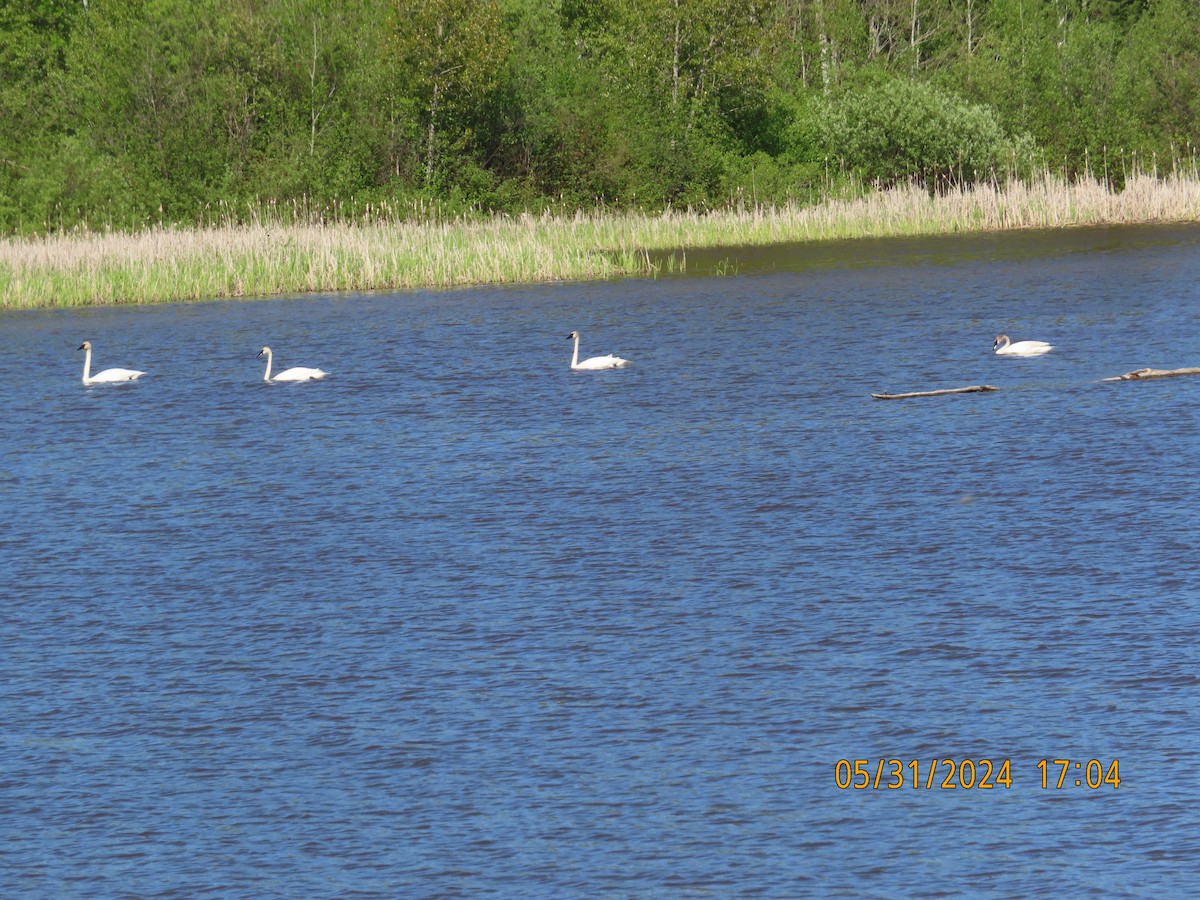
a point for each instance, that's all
(970, 774)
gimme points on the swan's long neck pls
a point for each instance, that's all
(267, 376)
(575, 355)
(87, 364)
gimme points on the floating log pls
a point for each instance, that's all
(973, 389)
(1139, 374)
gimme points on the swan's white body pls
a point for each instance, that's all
(108, 376)
(595, 362)
(1020, 348)
(298, 373)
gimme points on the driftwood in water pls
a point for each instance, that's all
(973, 389)
(1152, 373)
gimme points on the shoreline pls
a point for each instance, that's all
(264, 259)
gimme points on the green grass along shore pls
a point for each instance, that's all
(381, 252)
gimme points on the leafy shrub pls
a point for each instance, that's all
(901, 130)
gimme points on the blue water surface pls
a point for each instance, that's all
(459, 622)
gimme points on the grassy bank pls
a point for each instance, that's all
(377, 251)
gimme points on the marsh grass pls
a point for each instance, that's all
(284, 254)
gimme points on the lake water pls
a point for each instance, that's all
(458, 622)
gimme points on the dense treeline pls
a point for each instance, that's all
(121, 113)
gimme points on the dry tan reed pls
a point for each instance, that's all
(262, 259)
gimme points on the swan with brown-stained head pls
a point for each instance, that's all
(1021, 348)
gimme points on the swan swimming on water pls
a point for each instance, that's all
(595, 362)
(1020, 348)
(108, 376)
(297, 373)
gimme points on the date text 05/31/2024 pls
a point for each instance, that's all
(971, 774)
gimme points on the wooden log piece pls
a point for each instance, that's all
(1139, 374)
(973, 389)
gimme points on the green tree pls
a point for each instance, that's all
(548, 120)
(692, 78)
(33, 39)
(144, 91)
(312, 88)
(444, 57)
(1160, 72)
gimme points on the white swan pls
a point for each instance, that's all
(298, 373)
(596, 362)
(108, 376)
(1020, 348)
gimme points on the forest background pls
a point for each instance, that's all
(126, 114)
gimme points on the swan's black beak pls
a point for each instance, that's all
(80, 347)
